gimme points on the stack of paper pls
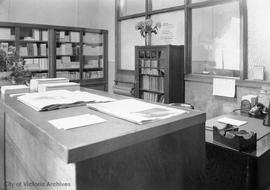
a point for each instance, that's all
(71, 86)
(76, 121)
(14, 89)
(58, 99)
(35, 82)
(136, 111)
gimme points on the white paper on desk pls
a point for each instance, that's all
(231, 121)
(224, 87)
(76, 121)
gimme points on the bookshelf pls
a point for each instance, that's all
(159, 73)
(79, 54)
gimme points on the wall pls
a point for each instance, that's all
(200, 95)
(77, 13)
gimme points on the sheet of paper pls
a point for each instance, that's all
(224, 87)
(76, 121)
(230, 121)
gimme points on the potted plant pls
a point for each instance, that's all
(12, 68)
(146, 28)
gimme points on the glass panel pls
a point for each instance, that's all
(216, 40)
(129, 7)
(130, 37)
(258, 39)
(172, 30)
(162, 4)
(33, 48)
(68, 54)
(92, 55)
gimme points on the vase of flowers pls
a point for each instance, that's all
(146, 28)
(12, 68)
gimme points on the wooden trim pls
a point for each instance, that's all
(52, 53)
(131, 16)
(209, 3)
(166, 10)
(188, 39)
(243, 39)
(105, 59)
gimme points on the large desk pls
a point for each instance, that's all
(230, 169)
(117, 154)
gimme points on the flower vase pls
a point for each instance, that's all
(148, 39)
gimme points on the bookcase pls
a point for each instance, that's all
(79, 54)
(159, 73)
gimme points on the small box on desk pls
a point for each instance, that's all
(232, 137)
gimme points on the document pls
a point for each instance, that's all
(76, 121)
(136, 111)
(230, 121)
(224, 87)
(58, 99)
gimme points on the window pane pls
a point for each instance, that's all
(258, 38)
(129, 39)
(162, 4)
(216, 40)
(129, 7)
(172, 29)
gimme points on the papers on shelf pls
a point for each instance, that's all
(231, 121)
(35, 82)
(136, 111)
(12, 89)
(51, 100)
(76, 121)
(224, 87)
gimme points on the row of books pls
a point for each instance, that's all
(39, 75)
(37, 35)
(92, 38)
(149, 71)
(68, 74)
(93, 74)
(32, 49)
(92, 50)
(60, 64)
(62, 36)
(94, 63)
(36, 64)
(152, 97)
(67, 49)
(151, 54)
(151, 63)
(152, 83)
(5, 34)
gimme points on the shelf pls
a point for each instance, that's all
(93, 69)
(29, 57)
(151, 75)
(67, 69)
(67, 55)
(32, 41)
(92, 44)
(68, 42)
(152, 91)
(94, 56)
(151, 67)
(37, 71)
(6, 40)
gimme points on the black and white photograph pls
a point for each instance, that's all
(134, 95)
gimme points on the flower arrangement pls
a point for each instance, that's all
(146, 27)
(12, 64)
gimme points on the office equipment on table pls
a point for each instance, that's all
(71, 86)
(136, 111)
(250, 168)
(76, 121)
(59, 99)
(101, 156)
(231, 121)
(34, 83)
(14, 89)
(247, 102)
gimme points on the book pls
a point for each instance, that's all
(71, 86)
(59, 99)
(136, 111)
(35, 82)
(14, 89)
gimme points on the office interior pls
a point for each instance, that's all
(224, 40)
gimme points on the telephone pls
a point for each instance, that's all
(259, 110)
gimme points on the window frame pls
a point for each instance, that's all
(187, 8)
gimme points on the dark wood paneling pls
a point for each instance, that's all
(174, 161)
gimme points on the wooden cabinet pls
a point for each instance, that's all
(79, 54)
(159, 73)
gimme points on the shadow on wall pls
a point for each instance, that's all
(200, 95)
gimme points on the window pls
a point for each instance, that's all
(129, 7)
(216, 40)
(161, 4)
(258, 38)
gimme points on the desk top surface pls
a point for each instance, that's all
(86, 142)
(253, 124)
